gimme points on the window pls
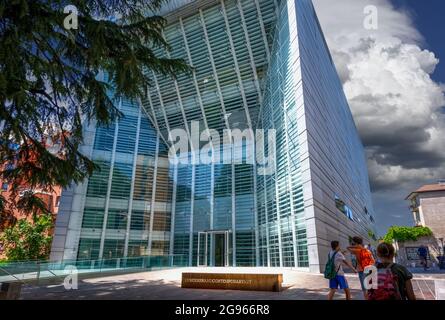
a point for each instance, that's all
(349, 213)
(57, 201)
(98, 182)
(140, 220)
(113, 248)
(121, 184)
(137, 248)
(418, 221)
(161, 221)
(93, 218)
(159, 247)
(117, 219)
(88, 249)
(340, 204)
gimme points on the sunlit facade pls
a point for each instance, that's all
(257, 64)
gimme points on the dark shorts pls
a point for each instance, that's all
(338, 282)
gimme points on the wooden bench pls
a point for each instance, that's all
(232, 281)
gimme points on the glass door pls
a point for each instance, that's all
(220, 249)
(213, 248)
(203, 242)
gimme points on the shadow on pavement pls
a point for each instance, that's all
(163, 290)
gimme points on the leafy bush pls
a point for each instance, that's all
(406, 233)
(28, 240)
(372, 235)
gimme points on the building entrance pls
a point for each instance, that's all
(213, 248)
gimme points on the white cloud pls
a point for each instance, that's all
(387, 80)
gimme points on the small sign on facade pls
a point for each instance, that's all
(412, 253)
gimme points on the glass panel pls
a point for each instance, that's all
(202, 252)
(220, 249)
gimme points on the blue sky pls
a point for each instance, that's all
(429, 18)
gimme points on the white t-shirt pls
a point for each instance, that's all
(338, 261)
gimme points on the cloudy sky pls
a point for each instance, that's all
(395, 84)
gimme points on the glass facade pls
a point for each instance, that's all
(127, 209)
(258, 64)
(228, 43)
(281, 206)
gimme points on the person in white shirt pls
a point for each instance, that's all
(339, 281)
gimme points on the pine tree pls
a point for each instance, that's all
(49, 84)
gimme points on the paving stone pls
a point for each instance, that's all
(166, 284)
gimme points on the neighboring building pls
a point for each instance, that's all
(259, 64)
(10, 217)
(427, 206)
(50, 200)
(49, 196)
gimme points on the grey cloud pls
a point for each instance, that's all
(341, 62)
(364, 45)
(399, 110)
(408, 157)
(387, 137)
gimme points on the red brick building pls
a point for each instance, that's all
(10, 215)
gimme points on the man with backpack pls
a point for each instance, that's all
(334, 271)
(364, 258)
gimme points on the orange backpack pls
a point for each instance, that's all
(366, 258)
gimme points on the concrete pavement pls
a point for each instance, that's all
(166, 284)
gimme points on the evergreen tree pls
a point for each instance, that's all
(49, 84)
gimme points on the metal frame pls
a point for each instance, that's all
(211, 233)
(205, 249)
(133, 181)
(109, 184)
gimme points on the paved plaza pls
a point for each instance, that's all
(166, 284)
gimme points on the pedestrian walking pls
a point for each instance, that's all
(364, 258)
(335, 273)
(422, 252)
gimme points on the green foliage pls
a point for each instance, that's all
(372, 235)
(406, 233)
(28, 240)
(49, 84)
